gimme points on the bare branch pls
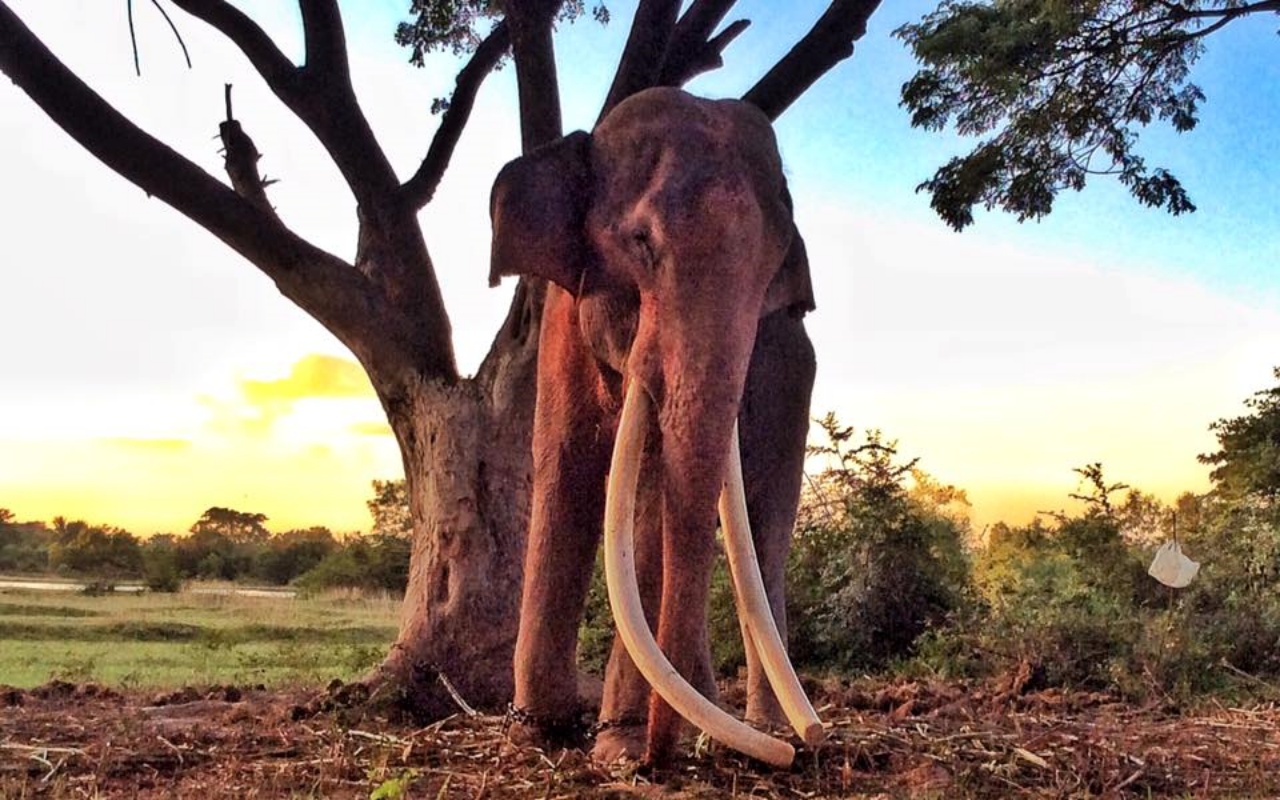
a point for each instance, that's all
(699, 20)
(241, 156)
(280, 73)
(536, 80)
(419, 189)
(325, 39)
(827, 44)
(688, 53)
(686, 63)
(646, 50)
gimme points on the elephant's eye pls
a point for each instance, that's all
(642, 246)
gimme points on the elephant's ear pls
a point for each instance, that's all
(538, 207)
(791, 287)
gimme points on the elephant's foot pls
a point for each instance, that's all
(764, 712)
(617, 743)
(526, 729)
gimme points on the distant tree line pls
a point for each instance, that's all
(223, 544)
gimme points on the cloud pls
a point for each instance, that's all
(1004, 367)
(316, 387)
(147, 446)
(313, 375)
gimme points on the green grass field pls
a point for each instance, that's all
(171, 640)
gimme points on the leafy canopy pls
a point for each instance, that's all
(460, 25)
(1059, 88)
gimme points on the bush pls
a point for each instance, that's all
(875, 564)
(160, 571)
(379, 562)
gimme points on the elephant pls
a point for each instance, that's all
(677, 284)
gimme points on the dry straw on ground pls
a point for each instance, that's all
(903, 739)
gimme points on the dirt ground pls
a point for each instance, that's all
(904, 739)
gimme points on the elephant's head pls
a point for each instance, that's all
(672, 227)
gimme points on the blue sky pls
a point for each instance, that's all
(134, 348)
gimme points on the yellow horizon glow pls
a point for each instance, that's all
(301, 448)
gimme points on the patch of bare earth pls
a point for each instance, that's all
(903, 739)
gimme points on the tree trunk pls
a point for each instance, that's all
(468, 470)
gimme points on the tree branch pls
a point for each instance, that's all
(240, 158)
(323, 285)
(827, 44)
(326, 42)
(534, 53)
(641, 64)
(279, 72)
(692, 50)
(685, 62)
(320, 94)
(1181, 12)
(420, 188)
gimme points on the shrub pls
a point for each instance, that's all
(875, 564)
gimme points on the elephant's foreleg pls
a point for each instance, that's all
(774, 423)
(571, 445)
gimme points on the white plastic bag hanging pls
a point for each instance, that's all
(1171, 567)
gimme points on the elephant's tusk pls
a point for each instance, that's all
(624, 598)
(757, 617)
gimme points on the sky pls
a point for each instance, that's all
(148, 373)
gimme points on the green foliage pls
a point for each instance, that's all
(874, 564)
(377, 563)
(160, 571)
(222, 544)
(1051, 603)
(460, 25)
(389, 508)
(1060, 88)
(397, 787)
(79, 548)
(595, 634)
(24, 546)
(1247, 461)
(291, 554)
(728, 651)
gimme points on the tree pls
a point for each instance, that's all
(223, 544)
(1062, 85)
(1239, 519)
(464, 441)
(1247, 461)
(390, 509)
(94, 550)
(241, 527)
(24, 546)
(292, 553)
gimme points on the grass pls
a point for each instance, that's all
(164, 641)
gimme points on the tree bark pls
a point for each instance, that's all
(467, 462)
